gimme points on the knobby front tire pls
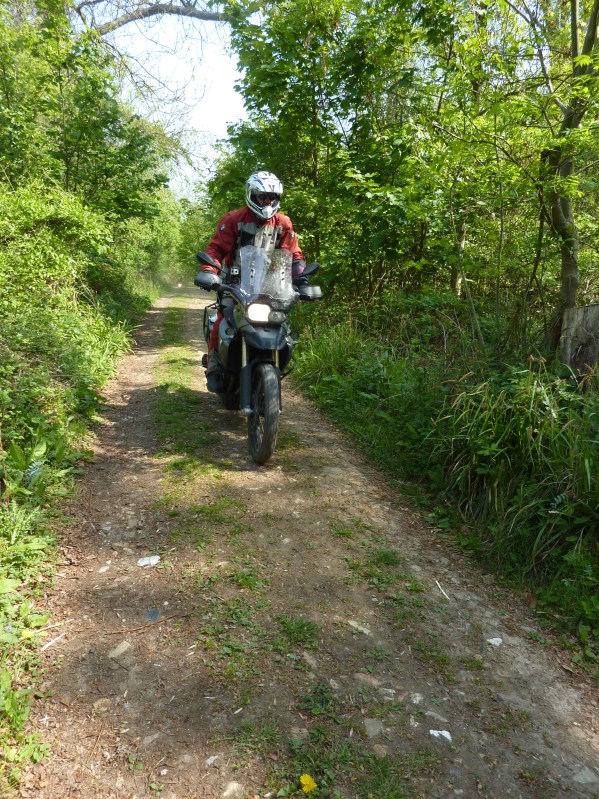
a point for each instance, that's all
(263, 423)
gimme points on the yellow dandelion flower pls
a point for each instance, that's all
(307, 782)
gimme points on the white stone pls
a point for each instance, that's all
(441, 734)
(358, 627)
(586, 776)
(150, 560)
(373, 727)
(233, 790)
(119, 650)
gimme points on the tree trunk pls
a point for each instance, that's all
(579, 342)
(457, 276)
(562, 221)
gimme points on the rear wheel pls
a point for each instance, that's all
(263, 423)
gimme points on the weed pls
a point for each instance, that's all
(415, 586)
(300, 632)
(219, 511)
(474, 663)
(474, 705)
(287, 440)
(134, 763)
(177, 417)
(379, 570)
(320, 701)
(259, 737)
(506, 720)
(190, 466)
(389, 776)
(249, 579)
(378, 653)
(341, 531)
(437, 660)
(384, 558)
(200, 536)
(387, 710)
(240, 528)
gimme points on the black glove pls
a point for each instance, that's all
(297, 278)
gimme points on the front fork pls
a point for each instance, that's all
(245, 379)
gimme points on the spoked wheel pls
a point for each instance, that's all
(263, 424)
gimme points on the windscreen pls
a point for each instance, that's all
(265, 273)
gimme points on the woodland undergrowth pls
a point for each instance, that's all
(70, 294)
(503, 455)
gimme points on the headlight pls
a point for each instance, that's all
(258, 312)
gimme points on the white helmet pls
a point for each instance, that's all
(263, 183)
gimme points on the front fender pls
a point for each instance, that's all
(265, 338)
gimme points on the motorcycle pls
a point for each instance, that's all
(255, 347)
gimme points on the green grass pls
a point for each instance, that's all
(436, 660)
(336, 763)
(389, 777)
(300, 632)
(380, 570)
(249, 579)
(221, 510)
(342, 531)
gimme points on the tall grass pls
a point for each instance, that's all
(518, 456)
(383, 399)
(512, 459)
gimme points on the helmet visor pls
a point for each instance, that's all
(265, 198)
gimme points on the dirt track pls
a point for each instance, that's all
(301, 620)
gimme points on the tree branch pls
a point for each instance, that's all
(157, 9)
(574, 11)
(532, 21)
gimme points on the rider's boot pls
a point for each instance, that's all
(214, 380)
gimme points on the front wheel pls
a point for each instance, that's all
(263, 423)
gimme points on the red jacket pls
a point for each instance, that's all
(224, 242)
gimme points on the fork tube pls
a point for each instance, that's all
(245, 381)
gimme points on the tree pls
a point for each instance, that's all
(62, 121)
(574, 99)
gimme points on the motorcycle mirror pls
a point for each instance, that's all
(207, 260)
(311, 269)
(310, 293)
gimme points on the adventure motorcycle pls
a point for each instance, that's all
(255, 347)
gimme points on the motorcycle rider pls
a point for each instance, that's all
(259, 223)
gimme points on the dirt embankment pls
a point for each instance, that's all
(301, 625)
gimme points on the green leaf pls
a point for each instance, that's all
(8, 585)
